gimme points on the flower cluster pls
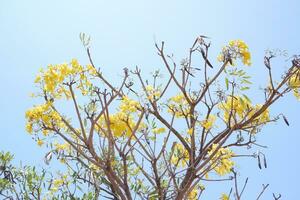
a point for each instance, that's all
(119, 124)
(42, 116)
(236, 49)
(57, 183)
(180, 155)
(193, 195)
(53, 80)
(294, 83)
(179, 106)
(221, 161)
(152, 93)
(239, 108)
(224, 197)
(122, 122)
(128, 105)
(209, 122)
(62, 147)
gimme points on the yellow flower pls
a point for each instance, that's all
(74, 63)
(152, 94)
(237, 49)
(209, 122)
(221, 161)
(294, 83)
(128, 105)
(120, 124)
(37, 79)
(62, 161)
(91, 70)
(193, 195)
(180, 155)
(29, 127)
(40, 142)
(54, 189)
(58, 182)
(42, 115)
(178, 105)
(296, 94)
(94, 168)
(224, 197)
(239, 108)
(190, 131)
(53, 78)
(61, 147)
(158, 130)
(45, 132)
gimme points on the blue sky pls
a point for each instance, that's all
(36, 33)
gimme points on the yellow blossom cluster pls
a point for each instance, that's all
(152, 93)
(180, 155)
(119, 124)
(179, 106)
(294, 83)
(209, 122)
(53, 78)
(224, 197)
(42, 116)
(236, 49)
(122, 122)
(62, 147)
(128, 105)
(193, 195)
(57, 183)
(221, 161)
(94, 168)
(240, 108)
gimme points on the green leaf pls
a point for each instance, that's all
(246, 77)
(245, 88)
(241, 101)
(226, 82)
(246, 97)
(84, 122)
(246, 81)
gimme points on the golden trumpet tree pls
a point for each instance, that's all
(161, 138)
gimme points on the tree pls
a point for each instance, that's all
(157, 139)
(27, 182)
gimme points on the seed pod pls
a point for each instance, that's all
(205, 58)
(267, 62)
(265, 161)
(48, 158)
(259, 164)
(285, 120)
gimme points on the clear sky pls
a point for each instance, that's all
(36, 33)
